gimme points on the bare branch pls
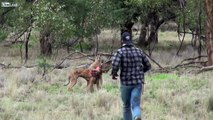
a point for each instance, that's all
(189, 63)
(154, 61)
(9, 66)
(204, 69)
(188, 59)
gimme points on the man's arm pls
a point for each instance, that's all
(116, 64)
(146, 63)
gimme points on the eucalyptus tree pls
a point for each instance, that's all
(191, 19)
(17, 21)
(51, 24)
(61, 20)
(150, 13)
(209, 32)
(5, 10)
(153, 14)
(88, 17)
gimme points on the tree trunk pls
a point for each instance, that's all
(142, 37)
(209, 31)
(2, 15)
(81, 48)
(149, 31)
(46, 40)
(28, 36)
(27, 43)
(148, 35)
(97, 44)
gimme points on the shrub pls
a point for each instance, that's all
(84, 45)
(3, 35)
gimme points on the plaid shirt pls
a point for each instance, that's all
(132, 64)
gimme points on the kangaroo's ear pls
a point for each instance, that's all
(106, 66)
(98, 57)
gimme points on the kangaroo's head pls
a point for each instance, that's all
(96, 63)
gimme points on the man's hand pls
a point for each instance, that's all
(114, 77)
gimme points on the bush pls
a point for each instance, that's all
(3, 35)
(44, 65)
(84, 45)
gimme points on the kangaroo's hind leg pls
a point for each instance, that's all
(90, 86)
(73, 81)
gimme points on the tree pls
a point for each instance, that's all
(209, 31)
(88, 17)
(59, 21)
(191, 19)
(19, 21)
(150, 13)
(47, 17)
(154, 14)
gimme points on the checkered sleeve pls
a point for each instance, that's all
(116, 63)
(146, 63)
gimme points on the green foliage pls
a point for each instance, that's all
(194, 14)
(85, 46)
(17, 46)
(18, 19)
(44, 65)
(162, 76)
(3, 35)
(112, 88)
(72, 18)
(34, 38)
(55, 89)
(66, 19)
(151, 4)
(78, 90)
(163, 8)
(158, 81)
(50, 14)
(87, 16)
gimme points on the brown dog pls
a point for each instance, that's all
(93, 75)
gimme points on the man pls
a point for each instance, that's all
(132, 64)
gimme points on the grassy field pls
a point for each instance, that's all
(176, 95)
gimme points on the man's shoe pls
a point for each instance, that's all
(137, 118)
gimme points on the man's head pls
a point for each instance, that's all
(126, 38)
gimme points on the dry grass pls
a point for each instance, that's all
(167, 96)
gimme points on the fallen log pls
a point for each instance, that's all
(204, 69)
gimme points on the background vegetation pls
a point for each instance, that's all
(37, 37)
(178, 95)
